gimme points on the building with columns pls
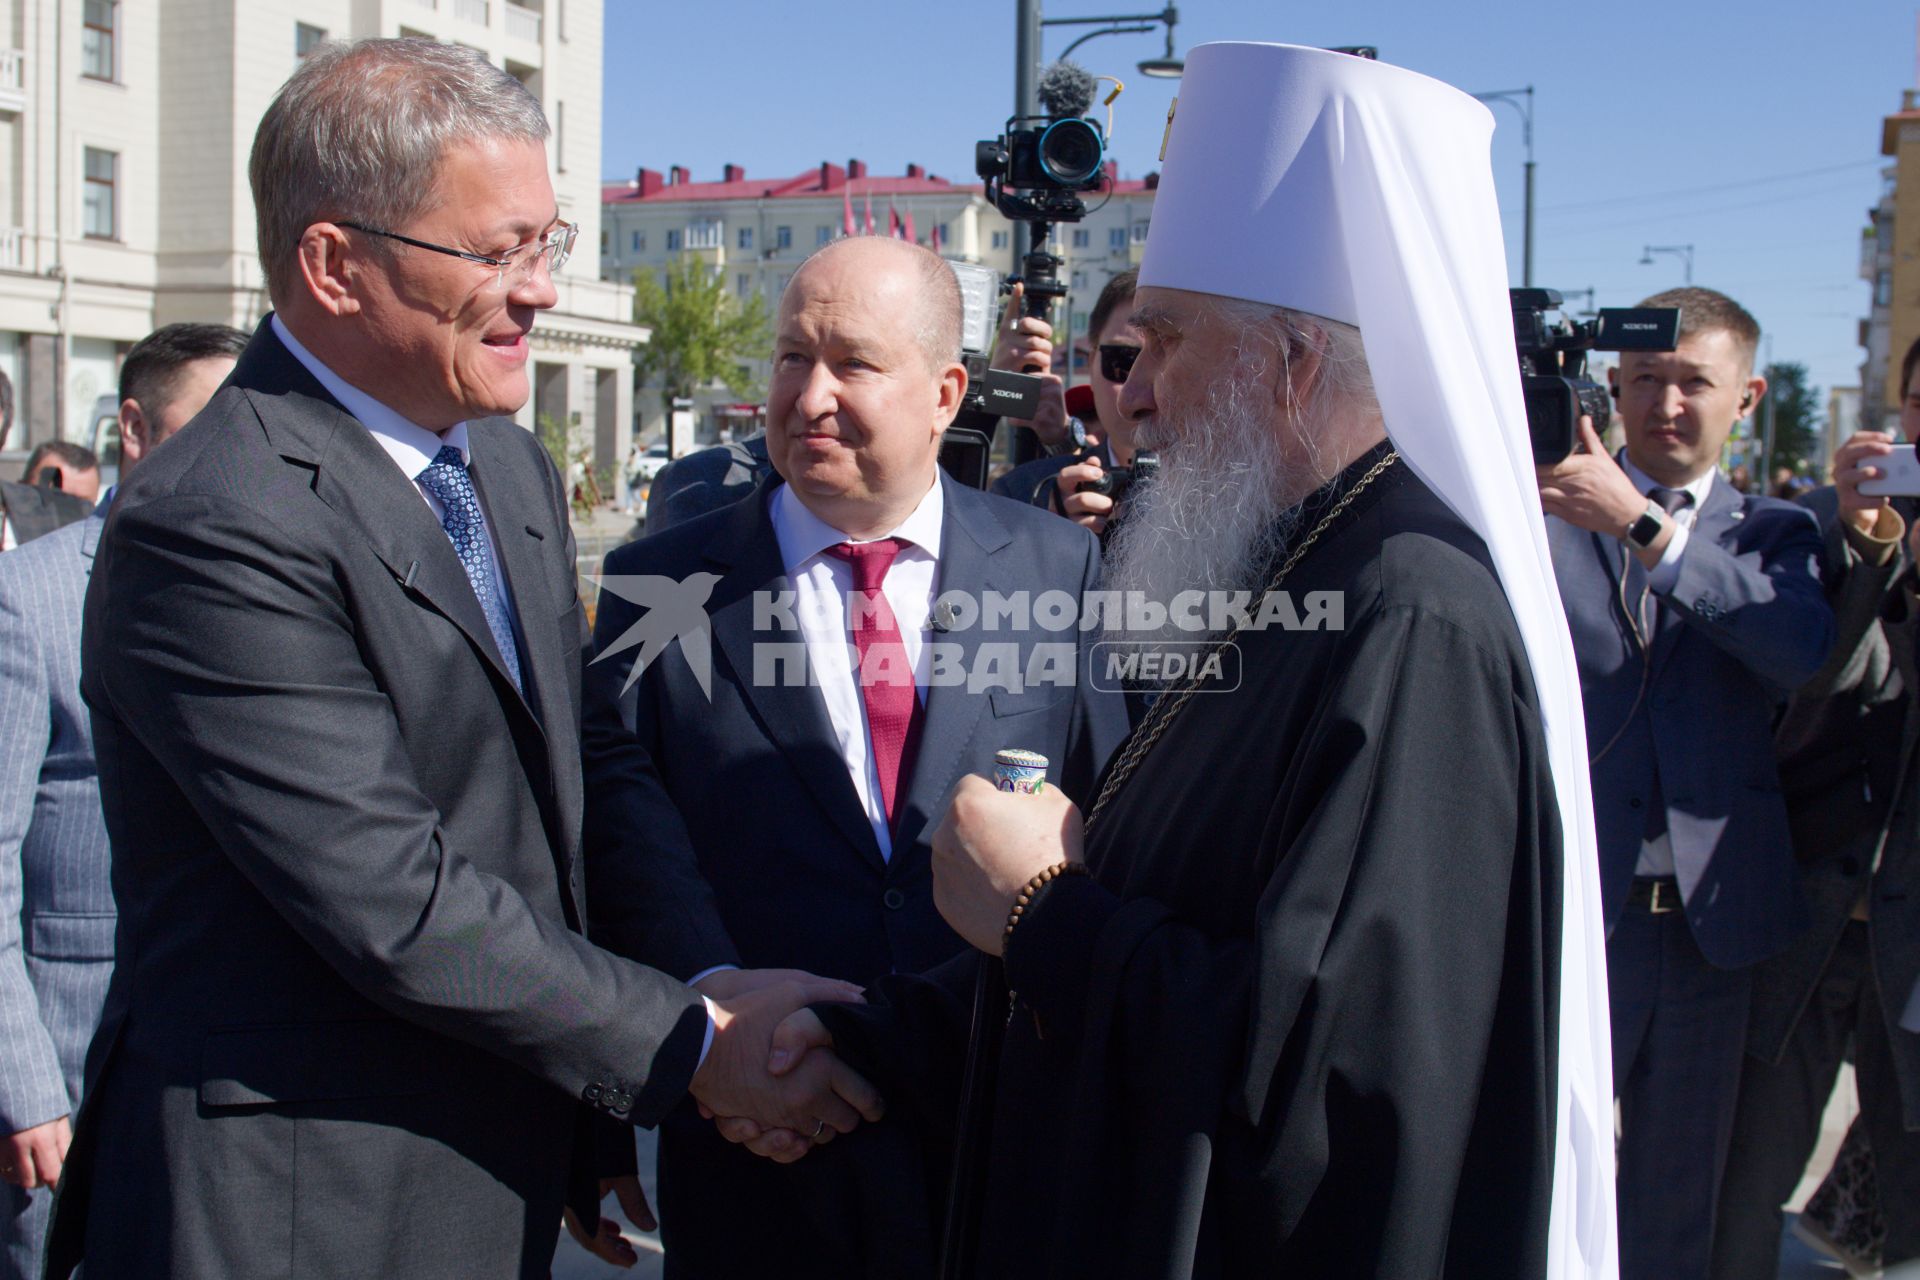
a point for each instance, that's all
(755, 232)
(124, 134)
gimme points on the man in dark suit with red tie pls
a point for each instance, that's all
(854, 670)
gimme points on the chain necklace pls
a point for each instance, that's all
(1168, 705)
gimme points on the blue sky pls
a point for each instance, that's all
(1749, 130)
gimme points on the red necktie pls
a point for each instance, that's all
(885, 675)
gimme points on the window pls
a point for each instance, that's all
(639, 242)
(1079, 279)
(783, 239)
(822, 234)
(1000, 240)
(1082, 237)
(946, 237)
(746, 237)
(99, 29)
(98, 198)
(673, 241)
(1139, 233)
(743, 284)
(604, 242)
(307, 38)
(1116, 237)
(705, 235)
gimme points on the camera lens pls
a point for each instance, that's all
(1070, 151)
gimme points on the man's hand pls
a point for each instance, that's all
(1093, 510)
(34, 1157)
(607, 1244)
(798, 1035)
(820, 1097)
(1025, 345)
(1588, 490)
(728, 984)
(1854, 462)
(989, 845)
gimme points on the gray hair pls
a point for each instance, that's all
(1344, 381)
(358, 132)
(938, 320)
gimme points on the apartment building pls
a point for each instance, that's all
(755, 232)
(124, 134)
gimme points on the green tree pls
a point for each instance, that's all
(702, 334)
(1797, 416)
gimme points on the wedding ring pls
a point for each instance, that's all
(819, 1128)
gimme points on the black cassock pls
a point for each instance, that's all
(1301, 1019)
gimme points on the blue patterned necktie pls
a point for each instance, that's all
(446, 479)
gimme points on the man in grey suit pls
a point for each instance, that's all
(1847, 759)
(333, 652)
(56, 906)
(1695, 610)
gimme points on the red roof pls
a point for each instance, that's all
(650, 187)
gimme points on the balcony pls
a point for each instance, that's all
(522, 23)
(13, 80)
(474, 11)
(13, 249)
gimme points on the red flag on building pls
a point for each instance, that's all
(933, 238)
(869, 212)
(893, 219)
(846, 210)
(910, 237)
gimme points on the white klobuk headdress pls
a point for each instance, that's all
(1363, 193)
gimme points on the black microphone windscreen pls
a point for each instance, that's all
(1066, 90)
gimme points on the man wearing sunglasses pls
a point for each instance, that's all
(1054, 482)
(333, 651)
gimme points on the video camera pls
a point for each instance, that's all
(1034, 173)
(1553, 363)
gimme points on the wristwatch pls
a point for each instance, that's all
(1643, 531)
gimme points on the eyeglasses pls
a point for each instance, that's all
(512, 268)
(1116, 361)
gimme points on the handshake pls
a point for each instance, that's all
(770, 1079)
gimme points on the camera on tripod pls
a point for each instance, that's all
(1553, 363)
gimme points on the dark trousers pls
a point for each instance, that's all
(1778, 1121)
(1679, 1029)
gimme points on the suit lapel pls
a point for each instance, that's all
(1719, 515)
(354, 476)
(968, 542)
(793, 715)
(512, 503)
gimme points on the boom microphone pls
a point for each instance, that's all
(1066, 90)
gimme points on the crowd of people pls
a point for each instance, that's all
(358, 895)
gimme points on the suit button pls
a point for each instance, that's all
(1634, 803)
(591, 1093)
(893, 899)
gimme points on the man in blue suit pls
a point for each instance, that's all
(807, 735)
(1695, 610)
(56, 905)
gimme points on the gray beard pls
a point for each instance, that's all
(1212, 519)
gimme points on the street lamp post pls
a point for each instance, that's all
(1684, 252)
(1521, 100)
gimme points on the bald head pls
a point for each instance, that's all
(889, 264)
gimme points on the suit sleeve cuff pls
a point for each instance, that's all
(1877, 547)
(706, 1041)
(1665, 576)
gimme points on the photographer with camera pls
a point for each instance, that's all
(1846, 749)
(1073, 484)
(1694, 610)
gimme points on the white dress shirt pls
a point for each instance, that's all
(821, 585)
(1656, 855)
(411, 447)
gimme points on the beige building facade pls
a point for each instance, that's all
(125, 127)
(756, 231)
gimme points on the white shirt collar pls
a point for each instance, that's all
(803, 535)
(1700, 486)
(411, 447)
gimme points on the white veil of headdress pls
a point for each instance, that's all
(1364, 193)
